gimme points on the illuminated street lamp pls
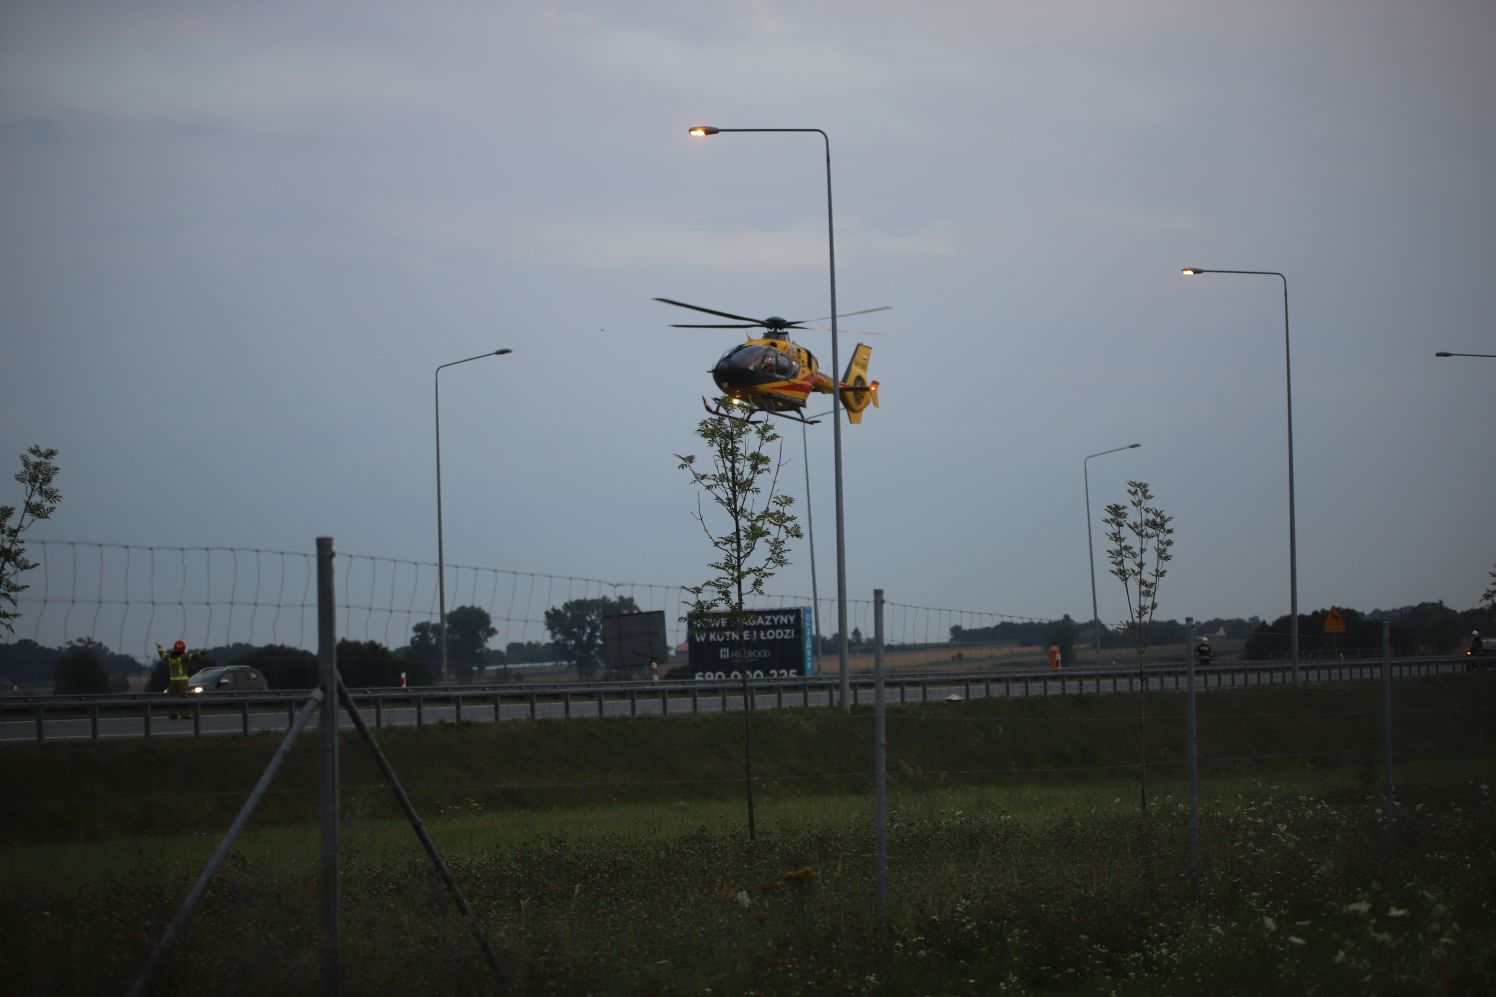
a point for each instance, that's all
(1086, 473)
(1293, 569)
(841, 535)
(441, 560)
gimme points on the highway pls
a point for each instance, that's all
(103, 718)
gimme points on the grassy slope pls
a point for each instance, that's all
(84, 792)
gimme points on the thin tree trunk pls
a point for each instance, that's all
(743, 670)
(1143, 730)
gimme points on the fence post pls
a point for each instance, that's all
(1194, 773)
(880, 770)
(1387, 715)
(244, 715)
(327, 657)
(93, 721)
(146, 717)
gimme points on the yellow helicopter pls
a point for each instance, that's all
(771, 373)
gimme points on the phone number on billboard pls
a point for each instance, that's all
(772, 673)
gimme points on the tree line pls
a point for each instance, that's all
(84, 666)
(1425, 628)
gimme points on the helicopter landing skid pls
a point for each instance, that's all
(717, 410)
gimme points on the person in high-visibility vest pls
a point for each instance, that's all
(176, 665)
(1203, 651)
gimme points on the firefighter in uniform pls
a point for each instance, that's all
(176, 665)
(1203, 651)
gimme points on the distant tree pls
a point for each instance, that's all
(1062, 635)
(284, 667)
(742, 480)
(530, 652)
(856, 639)
(577, 629)
(1141, 537)
(40, 500)
(27, 663)
(469, 629)
(1489, 595)
(119, 667)
(368, 663)
(80, 673)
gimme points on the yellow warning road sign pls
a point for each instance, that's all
(1333, 623)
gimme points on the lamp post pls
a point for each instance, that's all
(810, 525)
(1441, 353)
(1293, 567)
(1086, 473)
(441, 560)
(841, 536)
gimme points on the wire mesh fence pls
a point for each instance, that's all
(130, 597)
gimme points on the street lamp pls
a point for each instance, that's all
(836, 447)
(1293, 568)
(810, 525)
(441, 560)
(1086, 473)
(1443, 354)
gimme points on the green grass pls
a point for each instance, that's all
(610, 857)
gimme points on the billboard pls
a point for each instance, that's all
(632, 640)
(778, 642)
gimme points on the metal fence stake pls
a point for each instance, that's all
(880, 771)
(297, 726)
(327, 658)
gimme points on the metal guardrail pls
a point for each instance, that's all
(158, 714)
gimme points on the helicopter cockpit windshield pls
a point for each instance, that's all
(757, 359)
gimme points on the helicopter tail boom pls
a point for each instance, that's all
(856, 389)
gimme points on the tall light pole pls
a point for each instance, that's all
(841, 534)
(441, 559)
(1441, 353)
(1293, 549)
(810, 525)
(1086, 473)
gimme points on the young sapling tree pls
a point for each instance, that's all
(754, 527)
(1140, 537)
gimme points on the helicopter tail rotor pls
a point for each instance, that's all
(857, 390)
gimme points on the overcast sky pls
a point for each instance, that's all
(237, 239)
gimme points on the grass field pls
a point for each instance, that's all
(611, 857)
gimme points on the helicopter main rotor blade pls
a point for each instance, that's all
(740, 325)
(709, 311)
(865, 311)
(853, 332)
